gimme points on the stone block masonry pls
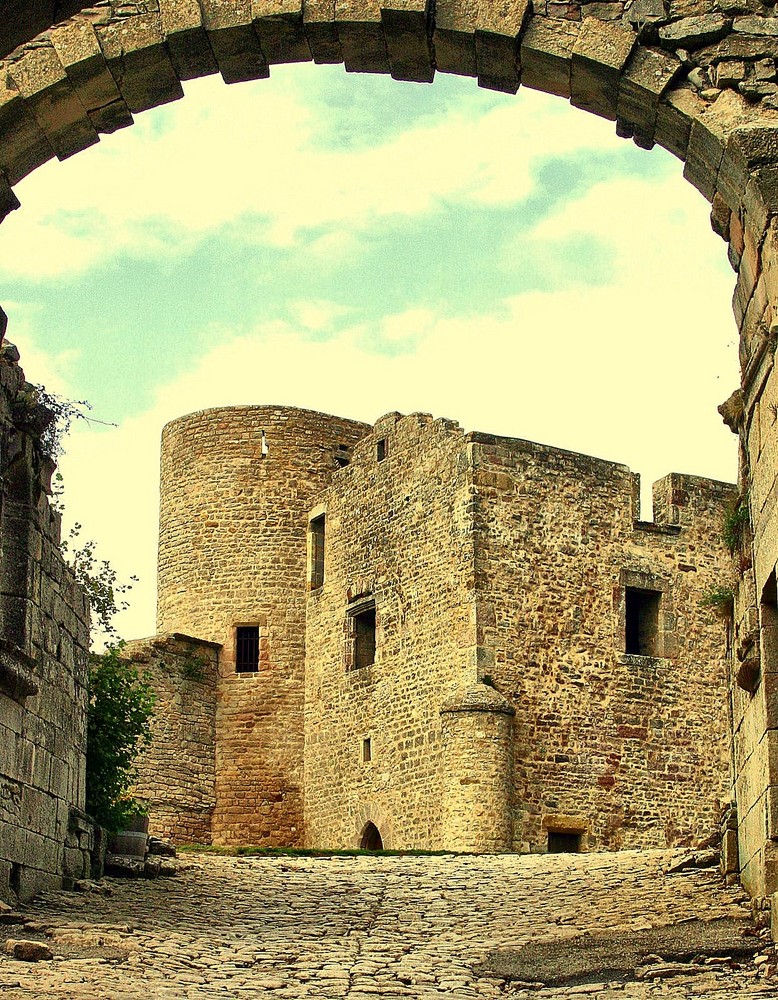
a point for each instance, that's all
(44, 639)
(176, 772)
(431, 639)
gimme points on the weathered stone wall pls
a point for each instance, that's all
(176, 771)
(237, 484)
(630, 750)
(499, 560)
(398, 529)
(44, 638)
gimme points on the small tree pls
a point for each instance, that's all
(120, 709)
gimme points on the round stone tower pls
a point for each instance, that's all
(477, 770)
(237, 484)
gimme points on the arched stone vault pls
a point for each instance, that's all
(697, 78)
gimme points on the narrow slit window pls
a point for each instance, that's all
(317, 529)
(641, 622)
(247, 649)
(380, 450)
(367, 750)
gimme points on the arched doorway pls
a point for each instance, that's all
(371, 838)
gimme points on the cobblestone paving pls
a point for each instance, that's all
(361, 928)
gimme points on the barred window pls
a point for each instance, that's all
(247, 649)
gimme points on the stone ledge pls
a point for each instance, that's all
(17, 672)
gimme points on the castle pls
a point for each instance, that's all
(410, 636)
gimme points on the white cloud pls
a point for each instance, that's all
(225, 154)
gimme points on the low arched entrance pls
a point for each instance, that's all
(371, 839)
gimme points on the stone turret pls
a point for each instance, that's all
(477, 743)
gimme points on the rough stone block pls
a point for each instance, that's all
(361, 36)
(79, 52)
(234, 41)
(406, 24)
(454, 37)
(546, 51)
(648, 75)
(139, 62)
(187, 41)
(693, 32)
(44, 85)
(599, 56)
(321, 31)
(703, 155)
(497, 46)
(279, 26)
(674, 118)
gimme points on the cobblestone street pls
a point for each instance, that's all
(367, 926)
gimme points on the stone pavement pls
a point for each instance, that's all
(367, 927)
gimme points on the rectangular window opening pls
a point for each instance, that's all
(563, 843)
(641, 623)
(381, 450)
(367, 750)
(317, 531)
(361, 631)
(247, 649)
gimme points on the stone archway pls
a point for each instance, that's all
(371, 839)
(701, 84)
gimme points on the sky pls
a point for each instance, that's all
(355, 245)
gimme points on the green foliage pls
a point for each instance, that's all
(120, 709)
(62, 414)
(736, 523)
(193, 668)
(721, 599)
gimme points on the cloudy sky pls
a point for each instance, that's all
(355, 245)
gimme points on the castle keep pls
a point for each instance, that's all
(411, 636)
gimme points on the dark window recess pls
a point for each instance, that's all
(364, 638)
(343, 455)
(317, 551)
(367, 750)
(642, 621)
(563, 843)
(247, 649)
(380, 450)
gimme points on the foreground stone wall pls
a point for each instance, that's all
(627, 750)
(176, 771)
(236, 487)
(44, 639)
